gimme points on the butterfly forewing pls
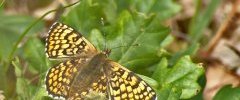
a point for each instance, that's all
(125, 85)
(64, 42)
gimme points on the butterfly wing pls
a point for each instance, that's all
(97, 88)
(64, 42)
(59, 78)
(124, 84)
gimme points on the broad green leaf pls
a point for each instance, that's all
(169, 39)
(110, 9)
(25, 89)
(191, 50)
(10, 28)
(22, 88)
(228, 93)
(97, 39)
(162, 8)
(160, 71)
(149, 36)
(182, 76)
(86, 16)
(41, 94)
(150, 81)
(169, 92)
(202, 83)
(165, 8)
(128, 28)
(33, 52)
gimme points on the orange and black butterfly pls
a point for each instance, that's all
(85, 71)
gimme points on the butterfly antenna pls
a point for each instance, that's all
(104, 35)
(125, 46)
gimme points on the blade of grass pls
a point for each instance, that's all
(201, 21)
(198, 24)
(1, 5)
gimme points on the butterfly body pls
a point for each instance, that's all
(86, 71)
(88, 76)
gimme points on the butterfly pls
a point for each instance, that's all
(85, 71)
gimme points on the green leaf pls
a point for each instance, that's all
(18, 70)
(10, 29)
(169, 92)
(191, 50)
(85, 22)
(169, 39)
(202, 83)
(109, 10)
(160, 71)
(97, 39)
(228, 93)
(126, 29)
(150, 81)
(165, 8)
(128, 33)
(41, 94)
(24, 90)
(21, 83)
(33, 52)
(182, 76)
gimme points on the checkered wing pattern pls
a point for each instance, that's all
(125, 85)
(64, 42)
(98, 88)
(60, 77)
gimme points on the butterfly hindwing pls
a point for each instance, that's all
(97, 88)
(124, 84)
(60, 77)
(64, 42)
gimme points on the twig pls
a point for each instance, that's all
(223, 28)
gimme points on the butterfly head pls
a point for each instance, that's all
(107, 52)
